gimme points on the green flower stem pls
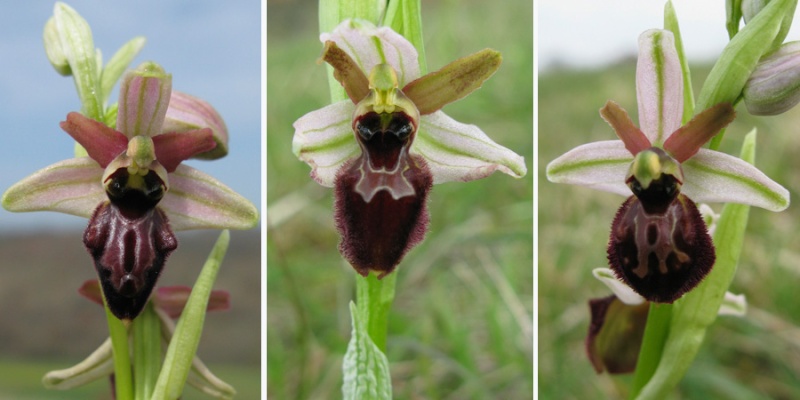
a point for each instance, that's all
(655, 336)
(123, 379)
(374, 299)
(147, 352)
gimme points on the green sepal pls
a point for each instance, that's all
(182, 348)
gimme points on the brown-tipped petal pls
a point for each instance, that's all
(454, 81)
(687, 140)
(346, 71)
(102, 143)
(172, 299)
(615, 334)
(635, 140)
(91, 290)
(175, 147)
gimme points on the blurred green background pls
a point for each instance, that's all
(461, 324)
(755, 357)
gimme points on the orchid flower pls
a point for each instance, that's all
(659, 244)
(618, 321)
(385, 146)
(168, 304)
(133, 188)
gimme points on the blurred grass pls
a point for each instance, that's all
(754, 357)
(461, 322)
(21, 380)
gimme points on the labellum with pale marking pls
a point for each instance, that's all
(659, 244)
(133, 187)
(381, 195)
(129, 240)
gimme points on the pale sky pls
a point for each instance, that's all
(591, 33)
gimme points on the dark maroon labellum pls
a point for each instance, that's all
(380, 196)
(660, 249)
(129, 239)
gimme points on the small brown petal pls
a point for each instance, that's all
(687, 140)
(635, 140)
(103, 144)
(175, 147)
(454, 81)
(346, 71)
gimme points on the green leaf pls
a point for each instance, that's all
(405, 18)
(182, 348)
(733, 14)
(739, 58)
(365, 367)
(117, 65)
(671, 24)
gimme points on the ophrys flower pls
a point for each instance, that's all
(384, 147)
(133, 187)
(659, 244)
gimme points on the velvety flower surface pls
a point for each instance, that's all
(133, 187)
(659, 244)
(389, 142)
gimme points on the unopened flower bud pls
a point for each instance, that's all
(774, 86)
(52, 46)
